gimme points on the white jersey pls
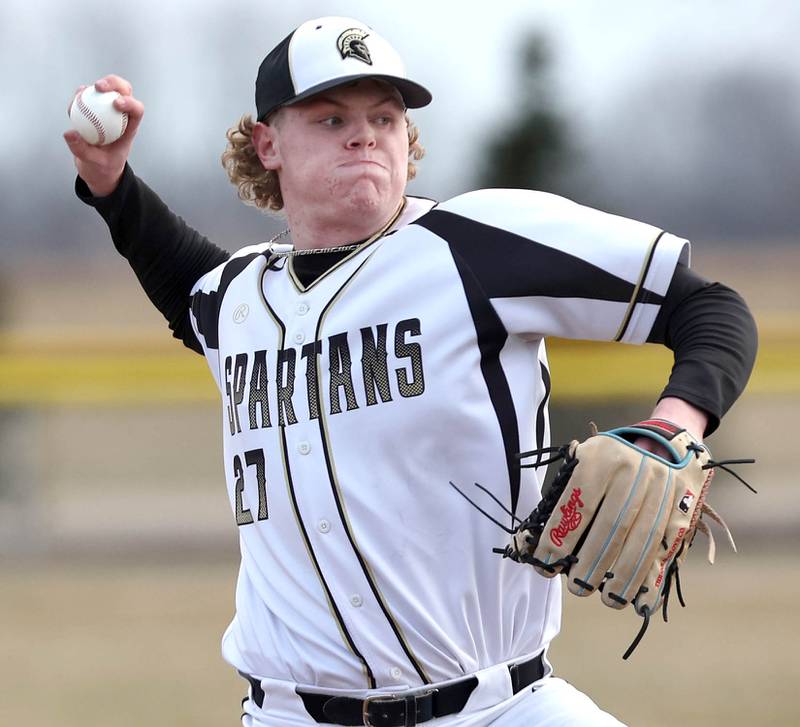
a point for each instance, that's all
(351, 404)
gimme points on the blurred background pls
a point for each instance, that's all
(118, 550)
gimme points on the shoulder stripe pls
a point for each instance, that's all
(205, 306)
(538, 270)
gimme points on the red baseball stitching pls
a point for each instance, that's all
(93, 120)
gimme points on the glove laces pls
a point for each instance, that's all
(673, 570)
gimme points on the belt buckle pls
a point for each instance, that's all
(392, 698)
(375, 700)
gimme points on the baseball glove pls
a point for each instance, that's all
(619, 519)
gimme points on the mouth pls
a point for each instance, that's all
(356, 163)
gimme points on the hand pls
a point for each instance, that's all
(101, 167)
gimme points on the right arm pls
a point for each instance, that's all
(167, 256)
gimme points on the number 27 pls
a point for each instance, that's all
(253, 458)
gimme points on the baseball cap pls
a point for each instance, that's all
(328, 52)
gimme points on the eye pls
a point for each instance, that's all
(331, 121)
(387, 118)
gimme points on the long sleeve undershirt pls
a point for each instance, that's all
(707, 325)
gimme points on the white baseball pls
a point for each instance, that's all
(94, 117)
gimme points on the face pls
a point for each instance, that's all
(341, 152)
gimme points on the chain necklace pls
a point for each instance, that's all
(288, 249)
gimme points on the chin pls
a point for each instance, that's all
(365, 202)
(364, 195)
(367, 199)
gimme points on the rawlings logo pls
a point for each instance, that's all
(570, 518)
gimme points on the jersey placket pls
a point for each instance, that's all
(320, 501)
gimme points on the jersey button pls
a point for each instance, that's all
(356, 600)
(299, 337)
(302, 309)
(324, 526)
(304, 447)
(396, 673)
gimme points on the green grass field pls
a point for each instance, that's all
(120, 644)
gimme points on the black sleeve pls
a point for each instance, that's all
(714, 338)
(167, 255)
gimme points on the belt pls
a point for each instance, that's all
(402, 710)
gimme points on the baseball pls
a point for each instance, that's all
(94, 117)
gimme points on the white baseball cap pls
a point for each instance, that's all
(328, 52)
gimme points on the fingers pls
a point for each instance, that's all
(133, 107)
(75, 142)
(114, 83)
(126, 102)
(87, 157)
(81, 149)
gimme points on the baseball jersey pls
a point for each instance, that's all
(350, 405)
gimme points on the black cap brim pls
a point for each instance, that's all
(414, 95)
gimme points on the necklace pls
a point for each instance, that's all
(285, 248)
(288, 249)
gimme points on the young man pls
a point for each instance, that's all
(397, 346)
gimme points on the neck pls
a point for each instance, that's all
(309, 233)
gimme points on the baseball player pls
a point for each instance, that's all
(381, 348)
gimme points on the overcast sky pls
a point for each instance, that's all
(193, 63)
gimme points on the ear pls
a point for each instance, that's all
(265, 142)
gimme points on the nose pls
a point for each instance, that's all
(362, 136)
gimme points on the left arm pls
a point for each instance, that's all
(714, 338)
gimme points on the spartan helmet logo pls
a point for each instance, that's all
(351, 45)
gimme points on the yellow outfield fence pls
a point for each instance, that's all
(100, 367)
(131, 367)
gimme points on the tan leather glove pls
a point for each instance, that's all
(620, 519)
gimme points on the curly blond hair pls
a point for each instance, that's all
(259, 186)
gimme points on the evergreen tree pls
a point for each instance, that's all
(531, 150)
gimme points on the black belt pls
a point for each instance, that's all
(400, 710)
